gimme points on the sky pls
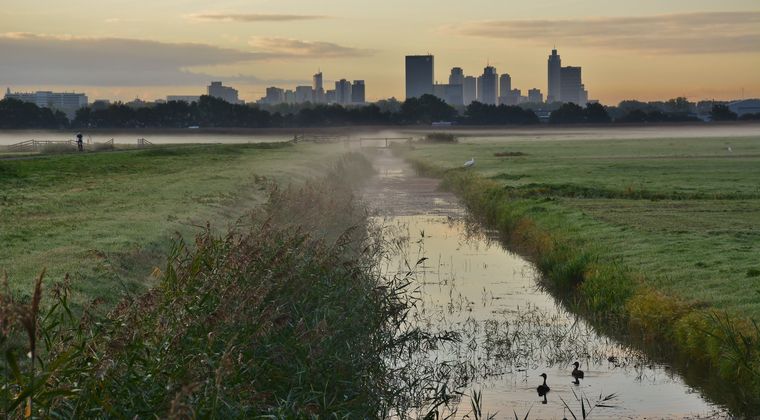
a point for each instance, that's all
(123, 49)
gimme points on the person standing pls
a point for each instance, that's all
(80, 145)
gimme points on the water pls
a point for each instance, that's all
(511, 330)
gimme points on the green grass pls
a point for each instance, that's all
(107, 219)
(683, 212)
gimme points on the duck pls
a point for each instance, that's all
(577, 373)
(543, 389)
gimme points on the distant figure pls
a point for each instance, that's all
(730, 149)
(80, 145)
(470, 163)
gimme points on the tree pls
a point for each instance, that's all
(722, 113)
(596, 113)
(568, 113)
(425, 110)
(18, 114)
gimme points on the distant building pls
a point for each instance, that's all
(505, 87)
(225, 93)
(571, 87)
(457, 76)
(451, 94)
(319, 89)
(343, 92)
(745, 106)
(330, 96)
(183, 98)
(419, 75)
(358, 92)
(470, 90)
(290, 97)
(555, 69)
(274, 96)
(488, 86)
(304, 94)
(65, 102)
(535, 96)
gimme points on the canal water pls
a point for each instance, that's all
(509, 330)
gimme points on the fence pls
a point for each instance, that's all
(381, 142)
(39, 145)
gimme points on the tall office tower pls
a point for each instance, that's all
(488, 86)
(535, 96)
(330, 96)
(319, 89)
(225, 93)
(571, 86)
(304, 94)
(555, 82)
(505, 86)
(419, 75)
(470, 90)
(274, 96)
(358, 92)
(457, 76)
(343, 92)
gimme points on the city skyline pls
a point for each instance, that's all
(646, 51)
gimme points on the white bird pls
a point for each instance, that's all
(469, 163)
(729, 149)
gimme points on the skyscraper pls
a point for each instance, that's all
(571, 87)
(555, 68)
(488, 86)
(319, 89)
(451, 94)
(457, 76)
(419, 75)
(505, 87)
(304, 94)
(470, 89)
(343, 92)
(358, 92)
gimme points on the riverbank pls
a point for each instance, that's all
(665, 269)
(107, 219)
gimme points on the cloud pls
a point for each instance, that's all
(252, 17)
(306, 49)
(38, 59)
(683, 33)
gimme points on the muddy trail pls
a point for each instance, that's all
(510, 330)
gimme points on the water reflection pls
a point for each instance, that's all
(502, 331)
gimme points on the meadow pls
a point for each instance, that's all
(683, 212)
(108, 219)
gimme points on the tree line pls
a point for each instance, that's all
(425, 110)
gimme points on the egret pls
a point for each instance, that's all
(543, 389)
(577, 373)
(469, 163)
(729, 149)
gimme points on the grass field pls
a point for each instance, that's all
(684, 212)
(107, 219)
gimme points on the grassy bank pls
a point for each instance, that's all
(107, 219)
(279, 317)
(657, 235)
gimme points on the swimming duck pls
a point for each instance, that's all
(543, 389)
(577, 373)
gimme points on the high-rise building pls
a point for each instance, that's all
(488, 86)
(358, 92)
(304, 94)
(274, 96)
(225, 93)
(65, 102)
(451, 94)
(330, 96)
(343, 92)
(419, 75)
(470, 90)
(571, 87)
(457, 76)
(555, 68)
(319, 89)
(535, 96)
(505, 86)
(290, 97)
